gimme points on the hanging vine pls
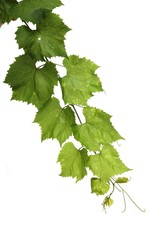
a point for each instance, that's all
(35, 85)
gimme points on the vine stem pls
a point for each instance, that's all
(113, 183)
(59, 65)
(26, 24)
(76, 113)
(47, 60)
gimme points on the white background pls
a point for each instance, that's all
(123, 37)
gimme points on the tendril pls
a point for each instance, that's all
(115, 184)
(124, 199)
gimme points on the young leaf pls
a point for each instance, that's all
(47, 40)
(55, 122)
(122, 180)
(99, 187)
(97, 130)
(31, 84)
(28, 10)
(107, 164)
(80, 80)
(73, 161)
(108, 202)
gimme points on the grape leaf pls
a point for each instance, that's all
(99, 187)
(107, 163)
(73, 161)
(97, 130)
(31, 84)
(55, 122)
(80, 80)
(46, 41)
(28, 10)
(5, 10)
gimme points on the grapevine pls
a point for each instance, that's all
(34, 84)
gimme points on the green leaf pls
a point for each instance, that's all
(73, 161)
(55, 122)
(99, 187)
(29, 10)
(122, 180)
(31, 84)
(5, 10)
(107, 163)
(108, 202)
(80, 80)
(46, 41)
(97, 130)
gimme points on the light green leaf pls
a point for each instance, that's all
(29, 10)
(99, 187)
(31, 84)
(122, 180)
(81, 81)
(55, 122)
(108, 202)
(73, 161)
(46, 41)
(97, 130)
(107, 163)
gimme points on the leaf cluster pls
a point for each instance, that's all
(35, 85)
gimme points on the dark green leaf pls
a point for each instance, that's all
(31, 84)
(46, 41)
(5, 10)
(29, 10)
